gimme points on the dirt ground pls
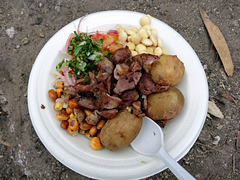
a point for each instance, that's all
(215, 155)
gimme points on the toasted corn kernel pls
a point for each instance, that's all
(93, 131)
(59, 92)
(71, 116)
(85, 126)
(100, 124)
(64, 124)
(98, 134)
(87, 112)
(71, 132)
(88, 135)
(73, 124)
(72, 103)
(62, 115)
(58, 106)
(69, 110)
(81, 131)
(59, 85)
(52, 94)
(95, 143)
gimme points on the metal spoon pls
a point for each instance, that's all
(150, 141)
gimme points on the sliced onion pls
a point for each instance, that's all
(113, 31)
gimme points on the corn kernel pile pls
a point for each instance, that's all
(142, 39)
(68, 118)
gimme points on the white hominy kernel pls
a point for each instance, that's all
(154, 40)
(130, 30)
(143, 33)
(149, 50)
(134, 53)
(122, 36)
(147, 42)
(136, 38)
(147, 27)
(140, 47)
(131, 46)
(119, 28)
(158, 51)
(145, 20)
(154, 32)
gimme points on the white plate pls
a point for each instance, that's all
(75, 152)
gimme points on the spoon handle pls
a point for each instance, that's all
(176, 169)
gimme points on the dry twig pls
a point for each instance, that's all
(210, 147)
(219, 42)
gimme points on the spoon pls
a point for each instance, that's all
(150, 141)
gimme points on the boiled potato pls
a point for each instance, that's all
(168, 70)
(120, 131)
(165, 105)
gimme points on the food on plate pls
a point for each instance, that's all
(164, 106)
(120, 131)
(141, 39)
(168, 70)
(111, 80)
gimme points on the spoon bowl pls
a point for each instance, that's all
(150, 142)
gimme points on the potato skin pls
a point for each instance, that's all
(165, 105)
(168, 70)
(120, 131)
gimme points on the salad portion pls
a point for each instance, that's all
(112, 80)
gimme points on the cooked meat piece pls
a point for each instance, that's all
(102, 76)
(93, 118)
(108, 84)
(120, 69)
(147, 86)
(80, 87)
(79, 114)
(122, 55)
(135, 66)
(87, 102)
(84, 88)
(146, 60)
(131, 95)
(127, 81)
(70, 90)
(108, 114)
(105, 65)
(137, 105)
(100, 87)
(110, 102)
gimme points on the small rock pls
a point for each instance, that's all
(3, 100)
(25, 41)
(38, 20)
(40, 5)
(41, 35)
(18, 46)
(15, 50)
(205, 67)
(57, 8)
(10, 32)
(219, 127)
(216, 140)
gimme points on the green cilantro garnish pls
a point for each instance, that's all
(87, 53)
(58, 67)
